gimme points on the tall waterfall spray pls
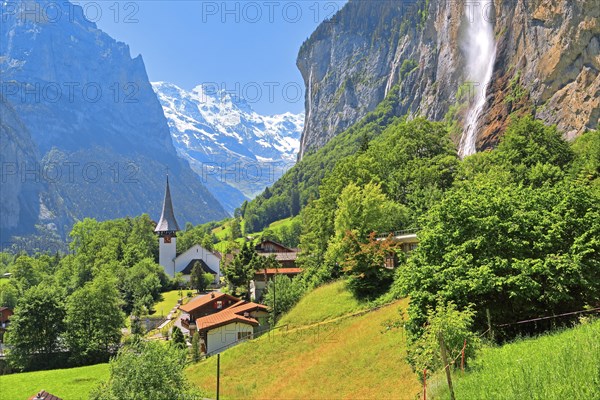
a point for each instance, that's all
(480, 49)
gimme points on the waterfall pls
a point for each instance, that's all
(479, 48)
(308, 113)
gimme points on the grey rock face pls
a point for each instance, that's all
(548, 48)
(94, 118)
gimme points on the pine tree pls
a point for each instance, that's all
(177, 337)
(196, 347)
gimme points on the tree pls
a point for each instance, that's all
(94, 320)
(142, 284)
(9, 295)
(369, 276)
(240, 270)
(178, 338)
(281, 294)
(27, 272)
(199, 279)
(36, 328)
(520, 251)
(146, 370)
(195, 347)
(294, 202)
(236, 230)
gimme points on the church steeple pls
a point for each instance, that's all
(167, 224)
(167, 234)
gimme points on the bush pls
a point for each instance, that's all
(147, 370)
(455, 328)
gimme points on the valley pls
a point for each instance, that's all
(426, 225)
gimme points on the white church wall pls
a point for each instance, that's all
(199, 252)
(167, 253)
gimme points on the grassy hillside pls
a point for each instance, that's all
(324, 303)
(68, 384)
(350, 358)
(563, 365)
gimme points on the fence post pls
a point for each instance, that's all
(425, 384)
(446, 365)
(489, 321)
(462, 361)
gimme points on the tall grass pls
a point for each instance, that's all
(350, 359)
(560, 366)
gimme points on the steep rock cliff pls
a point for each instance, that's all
(103, 141)
(547, 63)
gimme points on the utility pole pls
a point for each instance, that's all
(446, 365)
(218, 373)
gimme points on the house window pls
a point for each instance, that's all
(244, 335)
(218, 305)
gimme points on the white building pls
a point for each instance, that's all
(167, 229)
(223, 320)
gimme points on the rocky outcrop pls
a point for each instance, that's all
(547, 63)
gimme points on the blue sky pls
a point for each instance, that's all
(247, 47)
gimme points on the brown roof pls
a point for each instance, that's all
(224, 317)
(235, 313)
(279, 271)
(43, 395)
(242, 306)
(261, 244)
(206, 299)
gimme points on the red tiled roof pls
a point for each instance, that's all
(230, 315)
(43, 395)
(204, 300)
(242, 306)
(279, 271)
(224, 317)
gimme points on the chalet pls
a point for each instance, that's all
(5, 314)
(223, 320)
(285, 255)
(407, 241)
(262, 277)
(206, 305)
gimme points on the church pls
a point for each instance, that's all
(168, 258)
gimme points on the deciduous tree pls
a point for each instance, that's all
(94, 320)
(36, 328)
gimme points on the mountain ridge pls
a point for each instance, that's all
(95, 123)
(235, 150)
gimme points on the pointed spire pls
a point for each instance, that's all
(167, 221)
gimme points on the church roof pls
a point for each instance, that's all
(188, 269)
(167, 222)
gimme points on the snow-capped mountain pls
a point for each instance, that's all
(235, 151)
